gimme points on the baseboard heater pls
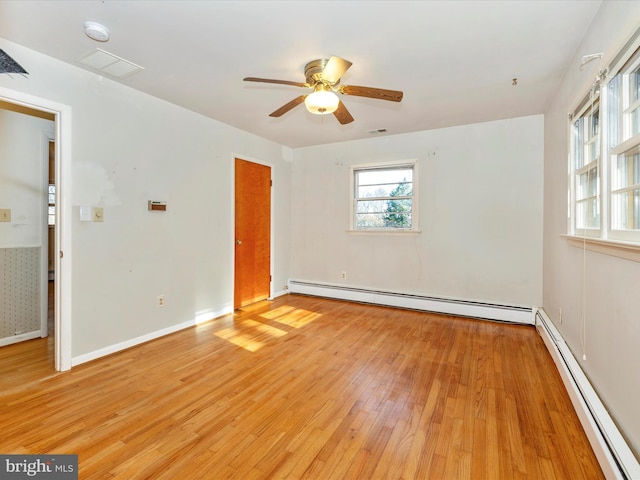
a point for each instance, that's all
(450, 306)
(615, 457)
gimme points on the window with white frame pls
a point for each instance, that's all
(585, 165)
(384, 197)
(624, 151)
(605, 153)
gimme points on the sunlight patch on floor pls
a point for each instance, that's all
(290, 316)
(250, 334)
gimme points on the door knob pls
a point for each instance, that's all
(238, 242)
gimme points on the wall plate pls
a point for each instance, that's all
(97, 214)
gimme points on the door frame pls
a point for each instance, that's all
(63, 293)
(232, 241)
(46, 138)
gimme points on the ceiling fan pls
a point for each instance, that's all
(323, 76)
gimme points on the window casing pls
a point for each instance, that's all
(384, 197)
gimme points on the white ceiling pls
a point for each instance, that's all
(454, 60)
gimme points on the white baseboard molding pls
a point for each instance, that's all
(20, 338)
(279, 294)
(102, 352)
(616, 458)
(450, 306)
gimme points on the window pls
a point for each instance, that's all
(585, 147)
(624, 151)
(384, 197)
(604, 159)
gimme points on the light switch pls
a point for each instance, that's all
(85, 214)
(5, 214)
(98, 214)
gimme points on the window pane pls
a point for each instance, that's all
(385, 190)
(383, 176)
(625, 179)
(578, 143)
(626, 170)
(588, 184)
(594, 123)
(383, 220)
(613, 99)
(594, 149)
(625, 211)
(398, 214)
(620, 211)
(371, 206)
(634, 95)
(588, 213)
(634, 85)
(635, 121)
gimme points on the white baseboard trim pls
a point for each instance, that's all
(450, 306)
(616, 458)
(102, 352)
(20, 338)
(279, 294)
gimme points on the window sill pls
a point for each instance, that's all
(385, 232)
(627, 250)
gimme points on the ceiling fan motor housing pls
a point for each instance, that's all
(313, 72)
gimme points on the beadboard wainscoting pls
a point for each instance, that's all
(20, 296)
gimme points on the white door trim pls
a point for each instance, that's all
(63, 217)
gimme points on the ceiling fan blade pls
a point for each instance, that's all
(334, 69)
(379, 93)
(342, 114)
(281, 82)
(288, 106)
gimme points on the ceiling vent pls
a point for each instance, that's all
(9, 65)
(109, 63)
(377, 131)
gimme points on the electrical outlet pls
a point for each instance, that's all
(344, 275)
(5, 214)
(160, 301)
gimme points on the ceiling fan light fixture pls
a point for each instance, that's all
(322, 101)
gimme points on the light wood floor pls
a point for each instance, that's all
(309, 388)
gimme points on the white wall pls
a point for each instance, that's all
(480, 214)
(129, 148)
(611, 301)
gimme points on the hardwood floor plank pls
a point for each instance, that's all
(303, 387)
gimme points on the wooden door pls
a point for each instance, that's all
(252, 233)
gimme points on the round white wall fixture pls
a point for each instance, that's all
(97, 32)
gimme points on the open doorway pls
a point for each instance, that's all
(56, 149)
